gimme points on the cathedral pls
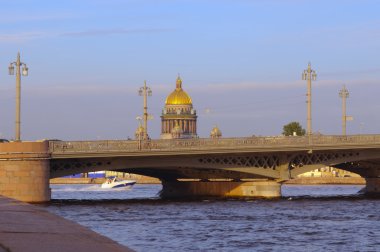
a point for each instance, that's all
(178, 119)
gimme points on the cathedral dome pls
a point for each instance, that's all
(178, 96)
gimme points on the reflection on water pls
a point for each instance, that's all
(307, 218)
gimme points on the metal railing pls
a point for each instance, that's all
(209, 143)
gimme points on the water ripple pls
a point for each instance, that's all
(316, 218)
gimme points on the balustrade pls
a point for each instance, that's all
(207, 143)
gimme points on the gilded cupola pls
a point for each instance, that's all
(178, 96)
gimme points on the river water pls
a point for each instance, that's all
(306, 218)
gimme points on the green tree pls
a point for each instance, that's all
(291, 127)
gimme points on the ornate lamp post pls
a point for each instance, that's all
(11, 69)
(309, 75)
(145, 91)
(344, 94)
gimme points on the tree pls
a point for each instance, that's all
(291, 127)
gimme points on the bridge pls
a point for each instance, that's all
(222, 167)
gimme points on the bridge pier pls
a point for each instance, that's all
(228, 189)
(372, 186)
(25, 171)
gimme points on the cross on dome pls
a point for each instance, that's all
(179, 82)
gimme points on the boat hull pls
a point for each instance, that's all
(120, 184)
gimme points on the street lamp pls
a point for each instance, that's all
(309, 75)
(145, 91)
(24, 72)
(344, 94)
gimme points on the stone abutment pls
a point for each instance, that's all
(24, 171)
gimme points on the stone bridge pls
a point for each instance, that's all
(227, 167)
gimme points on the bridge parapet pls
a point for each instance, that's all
(211, 144)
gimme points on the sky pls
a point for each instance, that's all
(240, 61)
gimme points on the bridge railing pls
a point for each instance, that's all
(208, 143)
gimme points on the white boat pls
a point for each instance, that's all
(115, 182)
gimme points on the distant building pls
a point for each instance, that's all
(179, 118)
(328, 172)
(215, 133)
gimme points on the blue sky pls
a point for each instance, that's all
(240, 61)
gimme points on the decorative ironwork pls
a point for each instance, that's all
(245, 161)
(320, 158)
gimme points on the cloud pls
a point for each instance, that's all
(86, 90)
(75, 90)
(252, 85)
(113, 32)
(340, 36)
(245, 85)
(21, 37)
(80, 89)
(6, 18)
(26, 36)
(352, 72)
(161, 89)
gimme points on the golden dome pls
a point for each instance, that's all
(178, 96)
(139, 133)
(215, 132)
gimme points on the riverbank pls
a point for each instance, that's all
(296, 181)
(25, 227)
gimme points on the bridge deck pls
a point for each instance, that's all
(66, 149)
